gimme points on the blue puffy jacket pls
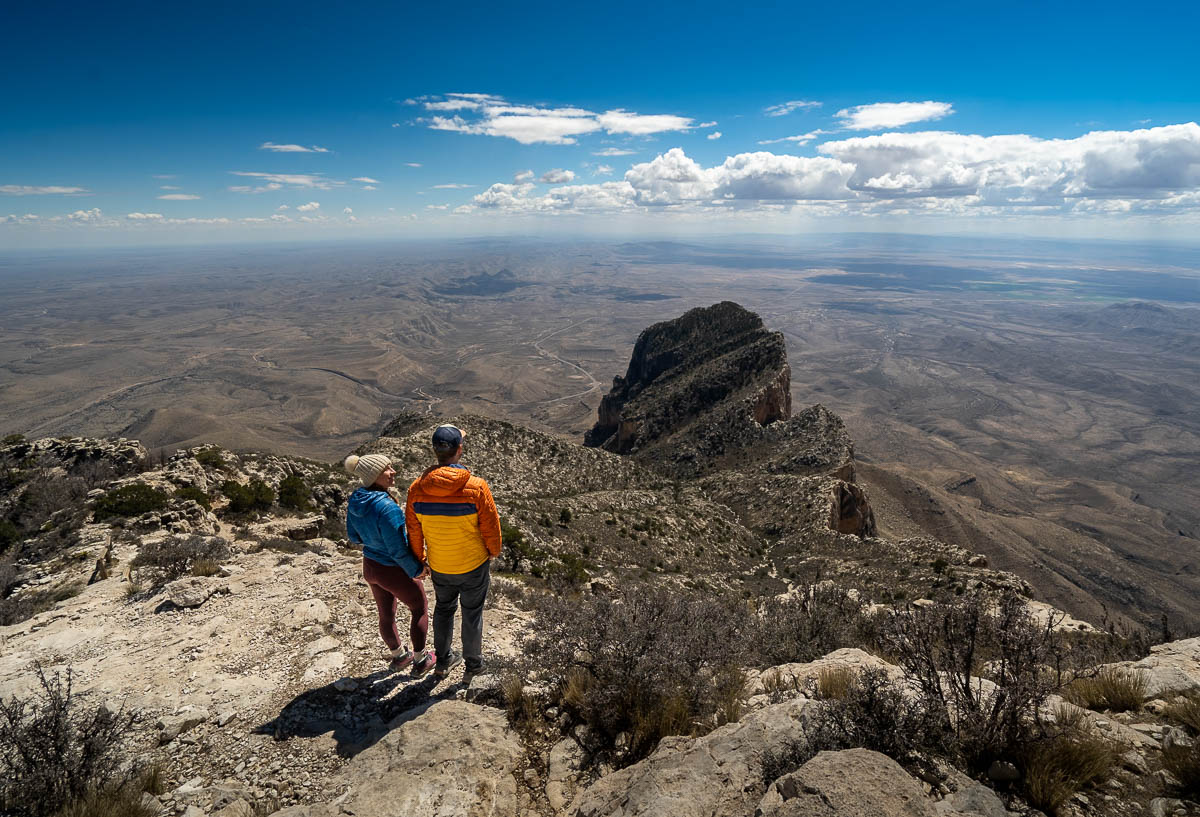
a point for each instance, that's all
(375, 520)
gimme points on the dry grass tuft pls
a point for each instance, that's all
(206, 567)
(1115, 689)
(1186, 712)
(1057, 768)
(1184, 763)
(834, 682)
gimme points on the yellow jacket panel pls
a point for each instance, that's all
(452, 520)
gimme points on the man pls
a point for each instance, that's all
(453, 527)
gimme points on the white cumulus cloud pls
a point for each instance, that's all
(365, 180)
(451, 186)
(883, 115)
(557, 176)
(714, 135)
(274, 181)
(85, 216)
(347, 211)
(310, 207)
(614, 152)
(621, 121)
(603, 170)
(801, 139)
(179, 197)
(144, 216)
(523, 176)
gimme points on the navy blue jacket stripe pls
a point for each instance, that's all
(445, 508)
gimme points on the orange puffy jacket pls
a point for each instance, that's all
(452, 520)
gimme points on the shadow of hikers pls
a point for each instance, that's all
(357, 717)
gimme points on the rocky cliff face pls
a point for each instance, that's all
(711, 369)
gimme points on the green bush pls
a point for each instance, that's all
(294, 494)
(195, 494)
(257, 496)
(130, 500)
(807, 624)
(1111, 688)
(12, 439)
(1059, 766)
(564, 516)
(211, 458)
(10, 534)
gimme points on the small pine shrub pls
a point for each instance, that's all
(12, 439)
(211, 458)
(130, 500)
(196, 495)
(564, 516)
(10, 534)
(56, 752)
(1116, 689)
(294, 494)
(256, 496)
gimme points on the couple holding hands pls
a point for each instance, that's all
(449, 530)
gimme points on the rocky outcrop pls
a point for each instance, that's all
(715, 368)
(719, 774)
(856, 781)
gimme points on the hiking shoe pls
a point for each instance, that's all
(424, 663)
(400, 660)
(444, 667)
(472, 670)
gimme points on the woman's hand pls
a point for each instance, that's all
(424, 574)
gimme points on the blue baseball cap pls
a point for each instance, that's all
(447, 437)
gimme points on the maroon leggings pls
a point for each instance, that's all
(390, 585)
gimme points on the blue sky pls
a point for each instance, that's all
(162, 123)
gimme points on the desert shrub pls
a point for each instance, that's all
(45, 496)
(945, 709)
(564, 516)
(167, 559)
(645, 663)
(134, 499)
(294, 494)
(12, 439)
(195, 494)
(570, 570)
(54, 751)
(515, 549)
(1058, 766)
(282, 544)
(115, 800)
(211, 458)
(1117, 689)
(16, 609)
(807, 624)
(95, 472)
(1183, 761)
(10, 534)
(256, 496)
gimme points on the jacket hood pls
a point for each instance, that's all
(362, 497)
(444, 480)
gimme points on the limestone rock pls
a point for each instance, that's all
(238, 808)
(856, 781)
(718, 774)
(312, 611)
(172, 726)
(454, 760)
(326, 664)
(189, 592)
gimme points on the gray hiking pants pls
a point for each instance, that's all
(472, 589)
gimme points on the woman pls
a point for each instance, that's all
(376, 520)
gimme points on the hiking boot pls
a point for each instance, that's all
(444, 667)
(424, 663)
(400, 660)
(472, 670)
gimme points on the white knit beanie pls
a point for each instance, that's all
(367, 468)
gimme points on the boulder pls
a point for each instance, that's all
(311, 611)
(856, 781)
(326, 664)
(1171, 668)
(455, 760)
(718, 775)
(190, 592)
(172, 726)
(238, 808)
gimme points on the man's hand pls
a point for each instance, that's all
(424, 574)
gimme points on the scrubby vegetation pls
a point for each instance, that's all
(1115, 689)
(294, 494)
(134, 499)
(255, 496)
(211, 457)
(163, 561)
(194, 494)
(60, 757)
(640, 666)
